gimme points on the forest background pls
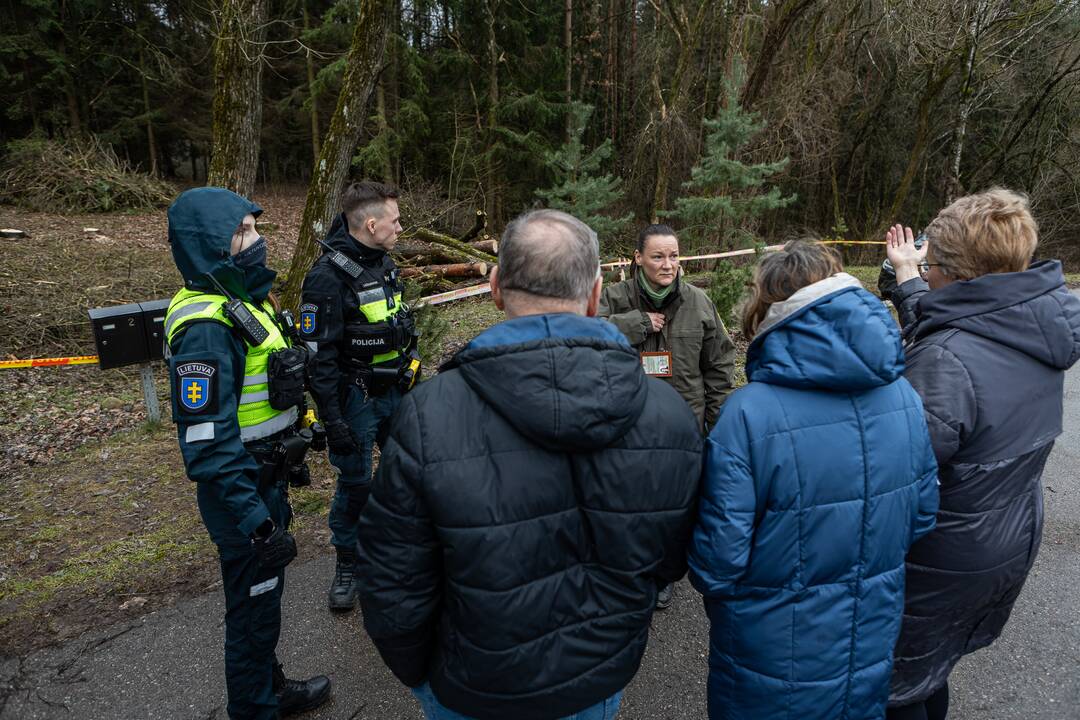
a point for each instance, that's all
(853, 113)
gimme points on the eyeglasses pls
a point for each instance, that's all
(924, 268)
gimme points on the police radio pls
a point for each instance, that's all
(247, 325)
(343, 261)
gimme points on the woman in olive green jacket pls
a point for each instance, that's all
(659, 313)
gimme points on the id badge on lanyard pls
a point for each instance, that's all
(656, 364)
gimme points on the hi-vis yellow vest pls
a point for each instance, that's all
(254, 414)
(373, 306)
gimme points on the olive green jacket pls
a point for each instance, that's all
(702, 354)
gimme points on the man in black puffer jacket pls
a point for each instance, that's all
(530, 500)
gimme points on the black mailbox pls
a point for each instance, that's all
(120, 335)
(129, 334)
(154, 320)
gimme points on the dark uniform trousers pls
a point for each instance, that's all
(369, 418)
(252, 603)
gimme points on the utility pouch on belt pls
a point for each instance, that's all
(286, 374)
(366, 340)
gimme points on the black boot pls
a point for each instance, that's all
(297, 696)
(343, 589)
(663, 597)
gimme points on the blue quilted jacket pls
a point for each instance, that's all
(819, 475)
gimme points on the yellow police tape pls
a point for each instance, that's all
(459, 294)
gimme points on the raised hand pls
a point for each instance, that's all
(902, 253)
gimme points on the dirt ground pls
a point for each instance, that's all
(97, 520)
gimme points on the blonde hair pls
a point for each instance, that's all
(990, 232)
(781, 274)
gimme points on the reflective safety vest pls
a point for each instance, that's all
(374, 307)
(254, 414)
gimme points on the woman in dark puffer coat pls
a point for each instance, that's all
(988, 339)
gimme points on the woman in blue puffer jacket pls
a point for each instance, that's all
(819, 475)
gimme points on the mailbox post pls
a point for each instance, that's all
(132, 334)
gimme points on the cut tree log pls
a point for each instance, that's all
(473, 269)
(462, 248)
(488, 245)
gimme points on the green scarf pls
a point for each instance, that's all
(656, 296)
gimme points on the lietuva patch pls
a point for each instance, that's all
(195, 386)
(309, 318)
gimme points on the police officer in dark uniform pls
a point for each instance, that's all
(365, 345)
(237, 397)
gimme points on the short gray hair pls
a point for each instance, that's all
(550, 254)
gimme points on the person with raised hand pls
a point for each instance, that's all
(988, 336)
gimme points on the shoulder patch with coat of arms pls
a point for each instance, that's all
(309, 315)
(195, 386)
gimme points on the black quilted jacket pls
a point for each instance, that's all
(988, 357)
(529, 501)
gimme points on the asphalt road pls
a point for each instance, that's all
(169, 664)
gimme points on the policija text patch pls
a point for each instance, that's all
(194, 386)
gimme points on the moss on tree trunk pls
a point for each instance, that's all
(237, 111)
(362, 67)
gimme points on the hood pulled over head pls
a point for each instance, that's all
(202, 222)
(565, 381)
(1030, 311)
(830, 335)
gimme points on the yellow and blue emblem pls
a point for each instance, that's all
(195, 385)
(308, 318)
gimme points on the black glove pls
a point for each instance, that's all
(276, 550)
(341, 439)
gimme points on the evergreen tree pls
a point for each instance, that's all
(725, 191)
(579, 188)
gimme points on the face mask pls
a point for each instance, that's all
(252, 256)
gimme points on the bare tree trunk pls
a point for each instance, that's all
(786, 14)
(362, 67)
(151, 143)
(237, 113)
(935, 83)
(952, 182)
(669, 109)
(387, 169)
(315, 132)
(492, 189)
(568, 49)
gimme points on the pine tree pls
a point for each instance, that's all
(579, 189)
(723, 190)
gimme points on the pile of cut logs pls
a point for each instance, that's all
(434, 259)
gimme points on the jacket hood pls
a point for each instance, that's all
(1031, 311)
(342, 240)
(201, 225)
(565, 381)
(831, 335)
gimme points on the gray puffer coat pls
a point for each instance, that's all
(988, 356)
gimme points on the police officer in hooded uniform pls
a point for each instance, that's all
(237, 396)
(365, 344)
